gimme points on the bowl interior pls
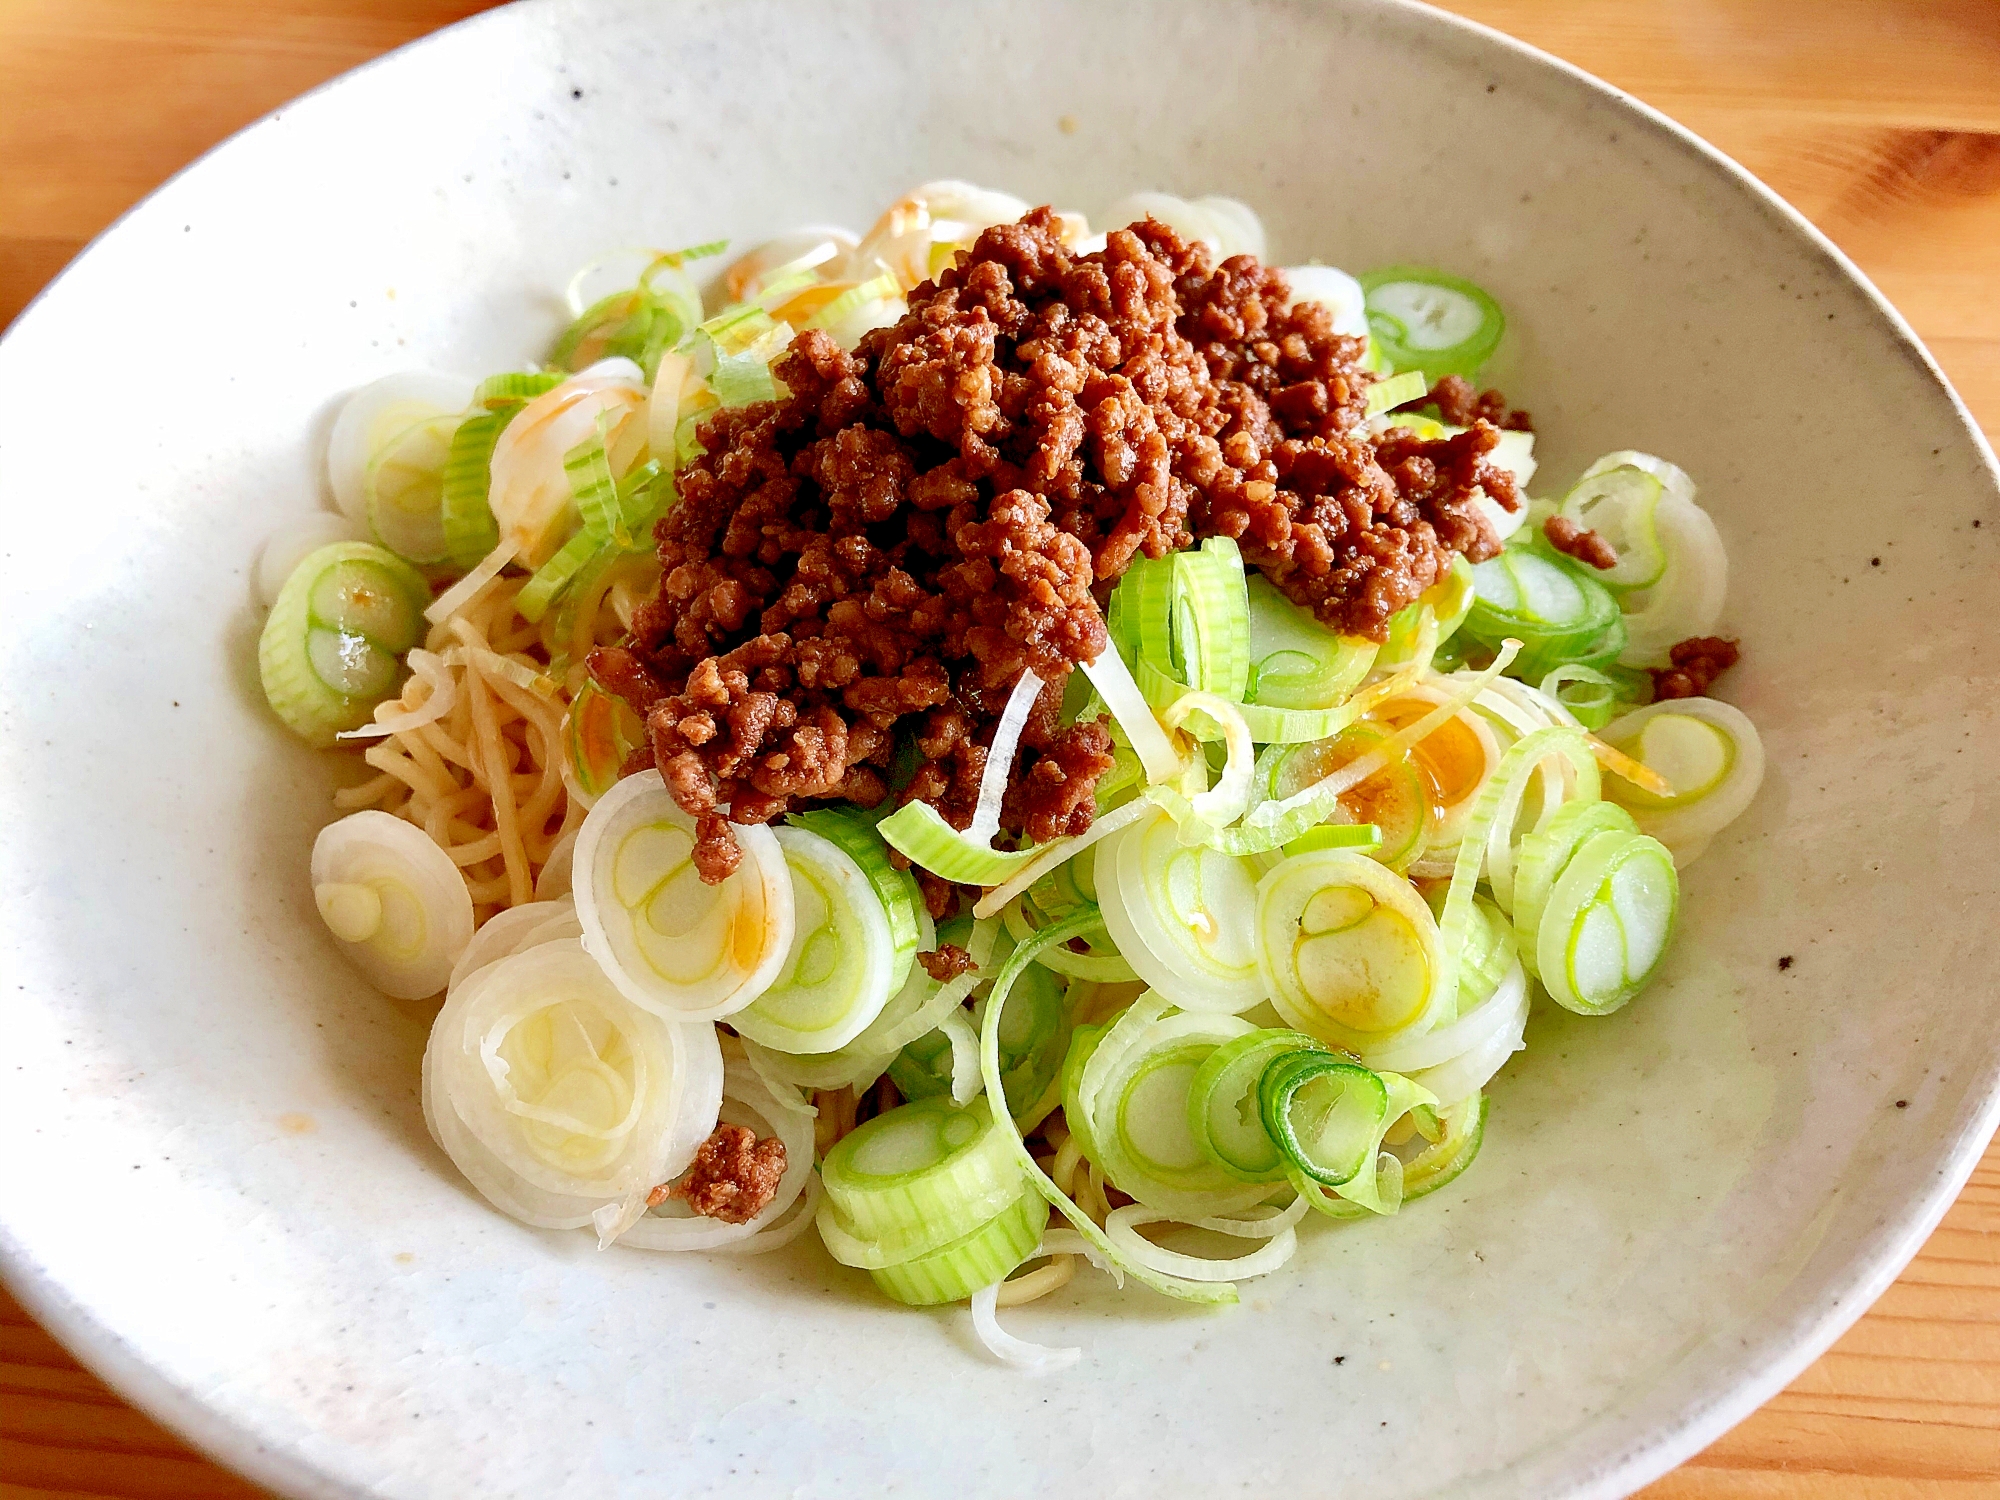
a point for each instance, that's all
(218, 1181)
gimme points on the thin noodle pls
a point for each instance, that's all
(1038, 1283)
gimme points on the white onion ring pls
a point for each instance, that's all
(1465, 1075)
(1000, 757)
(1455, 1038)
(392, 718)
(503, 934)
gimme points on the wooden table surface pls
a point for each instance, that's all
(1880, 119)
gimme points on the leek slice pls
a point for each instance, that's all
(1619, 501)
(1133, 1094)
(920, 1176)
(375, 417)
(1428, 320)
(1394, 800)
(674, 944)
(1546, 852)
(1224, 1113)
(1034, 1043)
(1328, 1117)
(328, 652)
(600, 733)
(470, 531)
(1395, 390)
(1076, 924)
(560, 1099)
(1181, 916)
(1545, 601)
(1711, 757)
(403, 489)
(1336, 291)
(919, 832)
(1445, 1159)
(987, 1255)
(897, 890)
(394, 900)
(1608, 920)
(1349, 952)
(1296, 662)
(844, 953)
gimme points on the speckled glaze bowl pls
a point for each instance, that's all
(214, 1178)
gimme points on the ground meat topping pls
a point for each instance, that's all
(872, 559)
(1697, 662)
(1579, 542)
(734, 1177)
(1460, 406)
(946, 962)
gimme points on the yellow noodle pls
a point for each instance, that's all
(369, 793)
(1037, 1283)
(520, 883)
(388, 758)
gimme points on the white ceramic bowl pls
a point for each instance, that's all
(215, 1183)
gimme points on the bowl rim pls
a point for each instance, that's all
(1775, 1358)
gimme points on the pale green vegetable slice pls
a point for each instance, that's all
(330, 647)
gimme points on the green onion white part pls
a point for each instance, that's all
(1542, 857)
(1684, 597)
(1445, 1159)
(1620, 500)
(684, 949)
(843, 960)
(330, 646)
(1226, 226)
(375, 417)
(394, 900)
(1224, 1115)
(1296, 662)
(557, 1097)
(1710, 754)
(747, 1100)
(911, 1181)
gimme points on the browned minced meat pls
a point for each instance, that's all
(882, 550)
(1697, 662)
(1460, 406)
(1579, 542)
(946, 962)
(734, 1177)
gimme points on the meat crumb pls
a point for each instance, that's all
(1460, 406)
(946, 962)
(1579, 542)
(734, 1177)
(1697, 662)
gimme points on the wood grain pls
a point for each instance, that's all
(1880, 119)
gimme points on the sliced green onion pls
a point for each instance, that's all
(1077, 924)
(328, 652)
(1395, 391)
(548, 581)
(896, 889)
(1709, 754)
(1133, 1095)
(515, 389)
(1211, 619)
(1349, 951)
(1224, 1113)
(470, 532)
(404, 489)
(924, 1172)
(987, 1255)
(919, 832)
(1445, 1159)
(1106, 967)
(1592, 696)
(1181, 916)
(1619, 504)
(636, 324)
(1034, 1042)
(1328, 1116)
(923, 1069)
(600, 732)
(1296, 662)
(844, 954)
(1427, 320)
(1543, 600)
(1546, 852)
(1605, 929)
